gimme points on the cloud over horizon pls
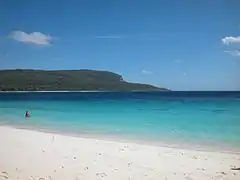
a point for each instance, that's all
(146, 72)
(36, 38)
(233, 52)
(234, 43)
(231, 40)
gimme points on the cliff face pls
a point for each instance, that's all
(75, 80)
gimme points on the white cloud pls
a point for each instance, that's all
(184, 74)
(231, 40)
(233, 52)
(37, 38)
(146, 72)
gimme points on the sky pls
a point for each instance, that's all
(180, 45)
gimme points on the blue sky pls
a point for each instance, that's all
(181, 45)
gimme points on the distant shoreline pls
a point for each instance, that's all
(73, 80)
(190, 91)
(77, 91)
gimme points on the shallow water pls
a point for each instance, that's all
(191, 118)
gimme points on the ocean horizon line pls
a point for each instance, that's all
(130, 91)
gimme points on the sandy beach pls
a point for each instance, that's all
(32, 155)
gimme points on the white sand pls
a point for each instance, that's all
(31, 155)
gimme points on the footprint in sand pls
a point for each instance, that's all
(223, 173)
(201, 169)
(121, 150)
(194, 157)
(103, 174)
(3, 175)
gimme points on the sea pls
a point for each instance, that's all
(200, 120)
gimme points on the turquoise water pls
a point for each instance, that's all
(198, 119)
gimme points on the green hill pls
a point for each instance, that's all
(70, 80)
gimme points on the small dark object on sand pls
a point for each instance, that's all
(235, 169)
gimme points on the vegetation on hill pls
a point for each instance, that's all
(70, 80)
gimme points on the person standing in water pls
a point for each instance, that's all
(27, 114)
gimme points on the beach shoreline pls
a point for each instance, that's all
(30, 154)
(127, 139)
